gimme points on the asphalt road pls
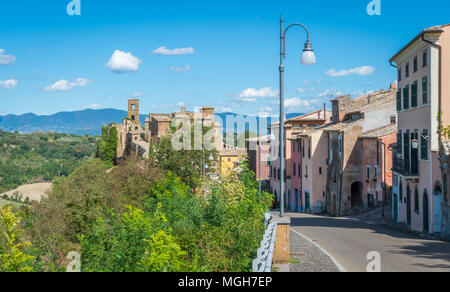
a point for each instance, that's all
(349, 242)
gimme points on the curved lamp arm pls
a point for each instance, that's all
(284, 36)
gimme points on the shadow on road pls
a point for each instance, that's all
(419, 247)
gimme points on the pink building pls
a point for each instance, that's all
(257, 146)
(294, 127)
(422, 69)
(377, 163)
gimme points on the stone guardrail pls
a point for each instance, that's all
(263, 261)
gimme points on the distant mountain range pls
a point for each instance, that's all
(91, 121)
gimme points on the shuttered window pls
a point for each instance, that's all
(425, 90)
(424, 145)
(399, 100)
(406, 97)
(414, 94)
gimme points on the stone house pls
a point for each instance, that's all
(351, 118)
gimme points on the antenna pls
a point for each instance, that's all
(365, 87)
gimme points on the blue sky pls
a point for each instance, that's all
(228, 53)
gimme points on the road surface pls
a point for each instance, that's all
(348, 242)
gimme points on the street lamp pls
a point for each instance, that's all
(308, 58)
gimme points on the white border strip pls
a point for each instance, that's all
(335, 262)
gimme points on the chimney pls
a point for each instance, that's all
(393, 86)
(325, 112)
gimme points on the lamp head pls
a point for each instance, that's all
(308, 57)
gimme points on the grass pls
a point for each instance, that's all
(4, 203)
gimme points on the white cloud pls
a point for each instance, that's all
(181, 51)
(65, 85)
(180, 69)
(296, 102)
(301, 90)
(222, 109)
(330, 93)
(92, 106)
(252, 94)
(362, 71)
(121, 62)
(265, 109)
(9, 84)
(137, 94)
(306, 82)
(6, 59)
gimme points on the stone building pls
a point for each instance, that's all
(351, 118)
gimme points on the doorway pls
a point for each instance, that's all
(408, 205)
(356, 195)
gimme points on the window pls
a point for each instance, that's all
(306, 171)
(293, 146)
(416, 200)
(300, 169)
(425, 58)
(320, 170)
(399, 74)
(294, 168)
(399, 142)
(407, 70)
(299, 146)
(406, 97)
(414, 94)
(399, 100)
(368, 171)
(375, 172)
(340, 144)
(415, 64)
(424, 145)
(303, 148)
(425, 90)
(309, 149)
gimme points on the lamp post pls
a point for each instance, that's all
(308, 58)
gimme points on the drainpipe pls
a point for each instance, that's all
(439, 123)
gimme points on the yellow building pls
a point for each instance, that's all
(229, 159)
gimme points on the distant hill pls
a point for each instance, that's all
(88, 121)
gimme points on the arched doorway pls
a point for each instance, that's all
(408, 205)
(425, 213)
(437, 207)
(356, 195)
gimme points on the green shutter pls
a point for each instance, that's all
(414, 94)
(399, 142)
(399, 100)
(406, 97)
(424, 145)
(425, 90)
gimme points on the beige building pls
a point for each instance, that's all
(423, 66)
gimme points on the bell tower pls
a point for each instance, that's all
(133, 110)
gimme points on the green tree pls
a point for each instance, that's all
(12, 257)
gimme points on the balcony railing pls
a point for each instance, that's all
(407, 168)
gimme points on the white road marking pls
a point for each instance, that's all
(335, 262)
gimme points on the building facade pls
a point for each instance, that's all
(351, 118)
(422, 104)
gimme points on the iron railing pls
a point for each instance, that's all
(406, 167)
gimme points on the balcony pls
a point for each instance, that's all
(407, 168)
